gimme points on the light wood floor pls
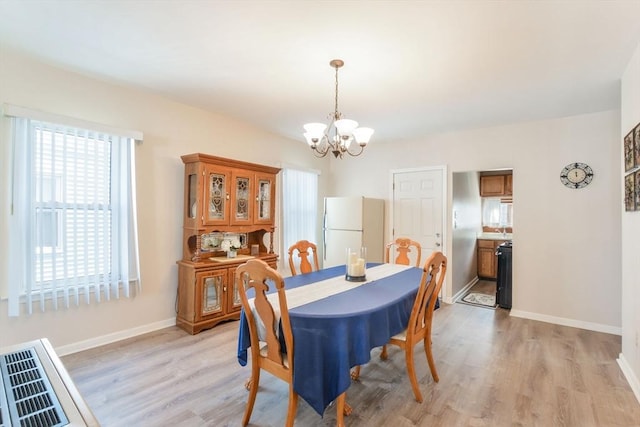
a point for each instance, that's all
(484, 287)
(494, 371)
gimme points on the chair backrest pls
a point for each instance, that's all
(302, 248)
(403, 246)
(257, 274)
(433, 274)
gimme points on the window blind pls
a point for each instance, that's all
(73, 222)
(299, 207)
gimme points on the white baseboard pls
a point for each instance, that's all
(597, 327)
(462, 292)
(632, 379)
(116, 336)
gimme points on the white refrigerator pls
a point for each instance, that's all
(352, 222)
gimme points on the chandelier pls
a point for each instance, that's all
(338, 136)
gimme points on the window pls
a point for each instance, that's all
(73, 222)
(299, 207)
(497, 212)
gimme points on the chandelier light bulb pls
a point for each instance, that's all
(315, 129)
(310, 139)
(362, 135)
(314, 133)
(345, 127)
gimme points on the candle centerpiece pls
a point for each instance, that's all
(356, 265)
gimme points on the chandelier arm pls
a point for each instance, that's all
(355, 154)
(318, 151)
(319, 154)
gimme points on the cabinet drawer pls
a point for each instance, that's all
(486, 244)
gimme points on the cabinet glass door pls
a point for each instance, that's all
(212, 294)
(265, 199)
(235, 303)
(192, 203)
(242, 191)
(216, 197)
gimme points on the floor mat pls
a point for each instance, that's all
(483, 300)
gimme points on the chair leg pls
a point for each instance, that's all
(355, 374)
(412, 373)
(341, 405)
(253, 391)
(293, 406)
(432, 363)
(383, 353)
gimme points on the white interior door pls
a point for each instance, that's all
(418, 208)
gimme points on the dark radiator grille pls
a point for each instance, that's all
(30, 398)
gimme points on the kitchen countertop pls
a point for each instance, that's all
(495, 236)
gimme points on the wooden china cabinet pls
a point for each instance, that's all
(224, 199)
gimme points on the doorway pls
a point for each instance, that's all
(478, 228)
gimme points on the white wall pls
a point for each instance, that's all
(630, 117)
(567, 242)
(467, 206)
(170, 130)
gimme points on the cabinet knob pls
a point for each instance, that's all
(437, 243)
(224, 288)
(228, 196)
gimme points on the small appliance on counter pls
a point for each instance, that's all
(504, 285)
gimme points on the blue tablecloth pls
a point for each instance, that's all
(336, 333)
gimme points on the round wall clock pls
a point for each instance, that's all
(576, 175)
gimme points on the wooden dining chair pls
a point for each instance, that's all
(266, 352)
(403, 246)
(301, 249)
(421, 320)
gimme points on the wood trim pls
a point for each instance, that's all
(221, 161)
(487, 229)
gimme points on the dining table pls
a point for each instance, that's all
(335, 324)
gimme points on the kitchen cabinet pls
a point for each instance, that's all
(496, 185)
(222, 198)
(508, 185)
(487, 260)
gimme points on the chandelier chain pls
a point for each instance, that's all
(336, 113)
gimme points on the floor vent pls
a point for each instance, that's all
(29, 395)
(37, 391)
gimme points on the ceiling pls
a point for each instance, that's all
(411, 67)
